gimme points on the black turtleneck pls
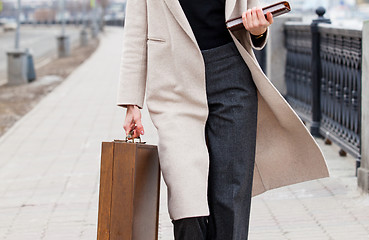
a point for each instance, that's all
(207, 20)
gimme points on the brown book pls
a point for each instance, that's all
(129, 192)
(276, 9)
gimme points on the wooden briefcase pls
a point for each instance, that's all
(129, 192)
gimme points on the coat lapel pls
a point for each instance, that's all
(176, 9)
(230, 4)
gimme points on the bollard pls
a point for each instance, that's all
(31, 73)
(63, 46)
(83, 37)
(17, 67)
(316, 71)
(94, 30)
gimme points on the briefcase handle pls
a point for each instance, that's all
(130, 139)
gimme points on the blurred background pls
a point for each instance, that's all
(336, 10)
(49, 11)
(49, 27)
(112, 11)
(42, 20)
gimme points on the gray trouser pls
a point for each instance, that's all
(231, 138)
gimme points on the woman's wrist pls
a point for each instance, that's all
(256, 36)
(131, 107)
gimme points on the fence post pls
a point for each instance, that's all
(363, 171)
(316, 70)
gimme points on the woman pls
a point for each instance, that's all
(207, 97)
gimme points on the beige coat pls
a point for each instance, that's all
(162, 59)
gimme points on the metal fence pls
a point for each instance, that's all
(341, 87)
(298, 68)
(339, 91)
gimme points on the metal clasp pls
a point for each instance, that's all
(131, 139)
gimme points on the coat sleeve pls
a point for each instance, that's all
(133, 67)
(260, 43)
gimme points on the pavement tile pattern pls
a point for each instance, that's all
(50, 159)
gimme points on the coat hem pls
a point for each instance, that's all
(197, 214)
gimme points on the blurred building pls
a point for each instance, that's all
(44, 15)
(47, 11)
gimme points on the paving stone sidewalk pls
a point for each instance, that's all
(49, 169)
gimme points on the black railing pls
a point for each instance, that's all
(341, 87)
(339, 91)
(298, 68)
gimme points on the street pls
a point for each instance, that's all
(40, 39)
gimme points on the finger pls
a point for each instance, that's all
(249, 19)
(127, 127)
(127, 130)
(128, 122)
(261, 17)
(270, 17)
(132, 132)
(255, 17)
(140, 128)
(135, 134)
(245, 21)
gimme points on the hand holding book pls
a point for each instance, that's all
(276, 9)
(254, 21)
